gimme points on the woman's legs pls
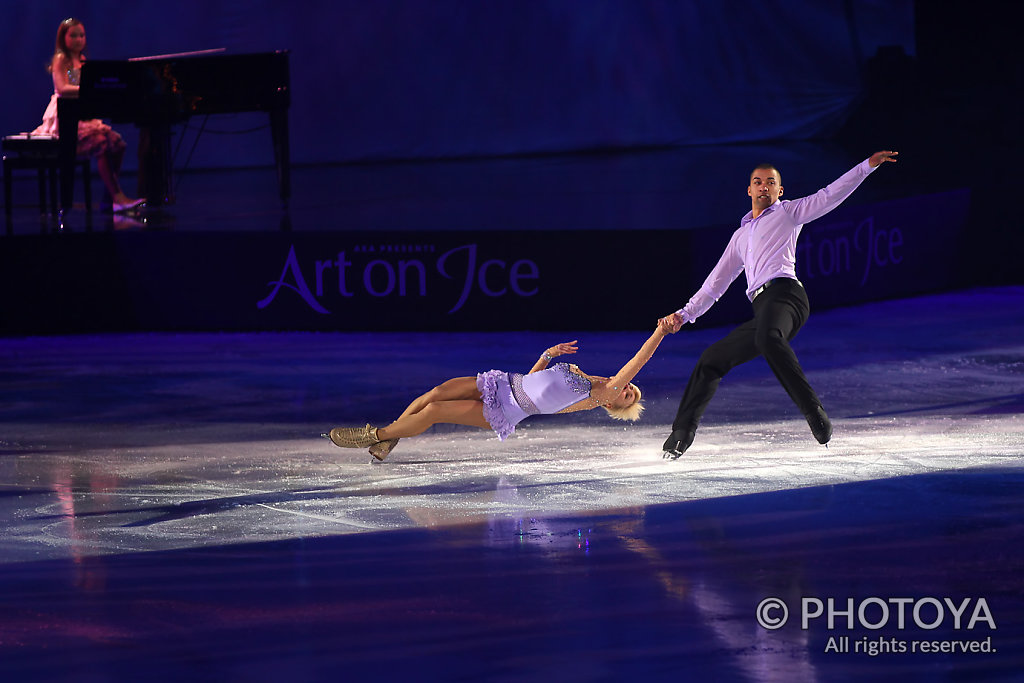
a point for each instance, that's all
(453, 390)
(456, 401)
(105, 166)
(108, 147)
(462, 412)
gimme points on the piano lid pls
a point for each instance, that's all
(173, 55)
(169, 88)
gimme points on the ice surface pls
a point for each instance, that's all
(124, 443)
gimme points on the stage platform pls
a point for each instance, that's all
(170, 512)
(469, 245)
(637, 189)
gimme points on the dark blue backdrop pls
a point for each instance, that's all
(412, 79)
(451, 280)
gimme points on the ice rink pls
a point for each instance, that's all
(170, 510)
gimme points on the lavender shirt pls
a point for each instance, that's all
(765, 247)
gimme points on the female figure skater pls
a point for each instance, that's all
(500, 400)
(95, 138)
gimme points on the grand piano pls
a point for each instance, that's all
(155, 93)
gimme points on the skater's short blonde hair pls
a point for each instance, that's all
(630, 413)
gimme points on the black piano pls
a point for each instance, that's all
(155, 93)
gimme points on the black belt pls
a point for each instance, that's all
(771, 282)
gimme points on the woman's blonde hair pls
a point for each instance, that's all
(630, 413)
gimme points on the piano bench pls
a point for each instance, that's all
(42, 155)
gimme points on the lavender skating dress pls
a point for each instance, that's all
(509, 397)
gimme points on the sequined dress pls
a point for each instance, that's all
(509, 397)
(94, 136)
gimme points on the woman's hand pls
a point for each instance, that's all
(553, 352)
(561, 349)
(670, 324)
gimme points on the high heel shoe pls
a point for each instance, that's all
(354, 437)
(130, 206)
(381, 449)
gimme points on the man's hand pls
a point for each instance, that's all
(879, 158)
(671, 322)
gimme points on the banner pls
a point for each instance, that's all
(454, 280)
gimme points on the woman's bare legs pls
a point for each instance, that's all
(464, 412)
(453, 390)
(108, 147)
(456, 401)
(108, 168)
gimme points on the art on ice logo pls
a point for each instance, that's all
(403, 270)
(838, 248)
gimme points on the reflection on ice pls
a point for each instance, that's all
(116, 500)
(186, 491)
(215, 442)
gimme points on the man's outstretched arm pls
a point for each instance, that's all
(814, 206)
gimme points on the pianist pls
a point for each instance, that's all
(95, 138)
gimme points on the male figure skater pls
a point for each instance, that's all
(764, 247)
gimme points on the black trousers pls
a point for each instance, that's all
(779, 313)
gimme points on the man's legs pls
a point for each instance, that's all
(779, 313)
(735, 348)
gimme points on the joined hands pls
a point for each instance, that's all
(671, 323)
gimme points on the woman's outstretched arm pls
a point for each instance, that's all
(630, 369)
(556, 350)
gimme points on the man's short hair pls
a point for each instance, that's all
(760, 167)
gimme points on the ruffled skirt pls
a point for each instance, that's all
(94, 136)
(500, 408)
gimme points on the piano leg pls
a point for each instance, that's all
(282, 154)
(67, 129)
(155, 166)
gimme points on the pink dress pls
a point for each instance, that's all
(94, 136)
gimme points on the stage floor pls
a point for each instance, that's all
(652, 189)
(170, 512)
